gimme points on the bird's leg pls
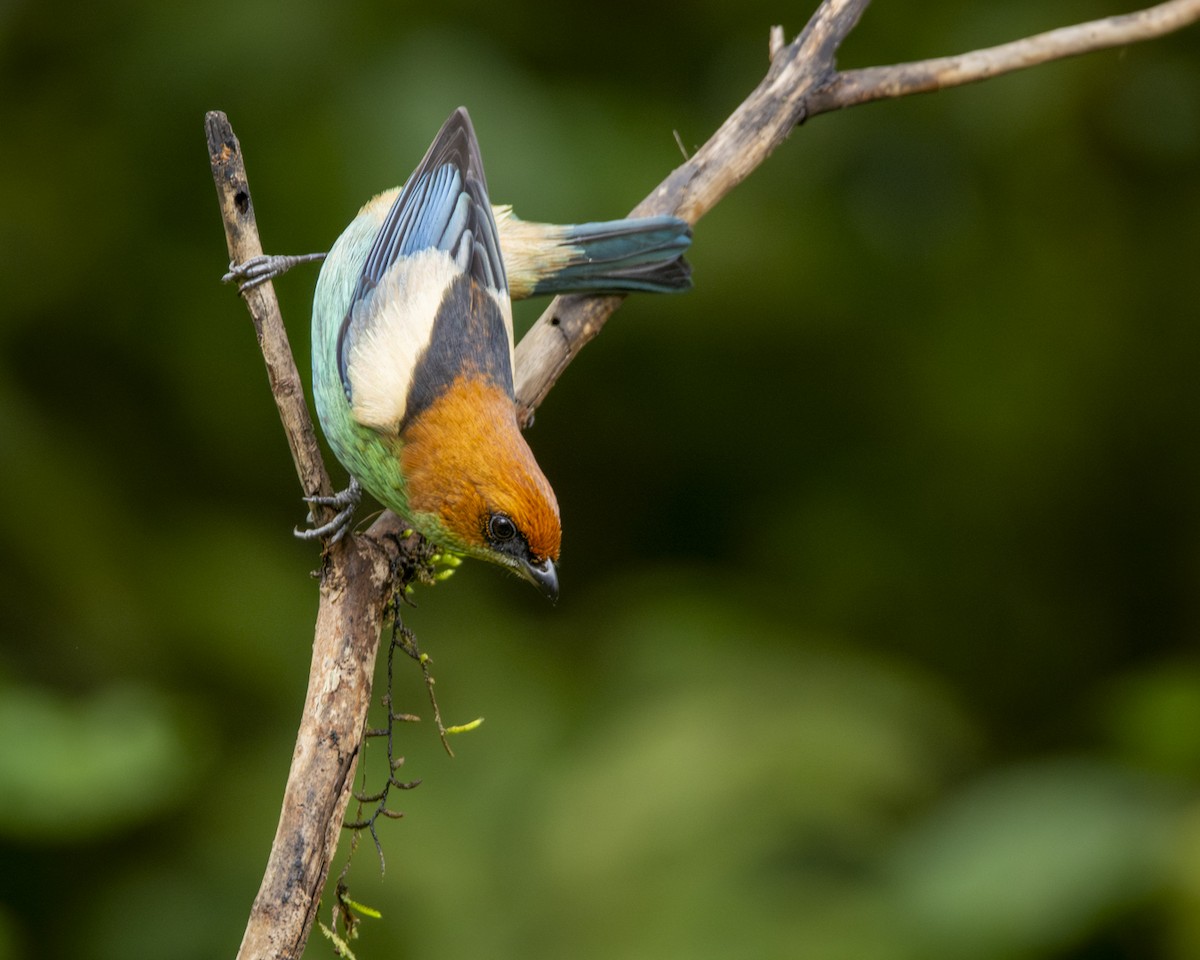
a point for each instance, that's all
(344, 503)
(258, 270)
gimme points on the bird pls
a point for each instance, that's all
(412, 341)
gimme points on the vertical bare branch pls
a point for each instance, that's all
(355, 586)
(321, 778)
(241, 236)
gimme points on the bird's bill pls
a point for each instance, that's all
(541, 575)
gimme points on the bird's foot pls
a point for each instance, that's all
(344, 503)
(260, 269)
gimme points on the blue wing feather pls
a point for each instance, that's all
(444, 205)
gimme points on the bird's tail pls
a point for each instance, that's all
(618, 256)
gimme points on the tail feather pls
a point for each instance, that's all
(617, 256)
(643, 254)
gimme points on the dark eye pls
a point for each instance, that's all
(500, 529)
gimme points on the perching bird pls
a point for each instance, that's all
(413, 350)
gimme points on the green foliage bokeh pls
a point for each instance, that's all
(879, 604)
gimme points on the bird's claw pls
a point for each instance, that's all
(344, 502)
(260, 269)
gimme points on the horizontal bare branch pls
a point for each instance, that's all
(852, 87)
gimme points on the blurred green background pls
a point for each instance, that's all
(879, 609)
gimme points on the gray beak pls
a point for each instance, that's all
(541, 575)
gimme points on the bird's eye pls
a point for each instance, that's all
(500, 529)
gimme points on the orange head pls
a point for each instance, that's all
(471, 479)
